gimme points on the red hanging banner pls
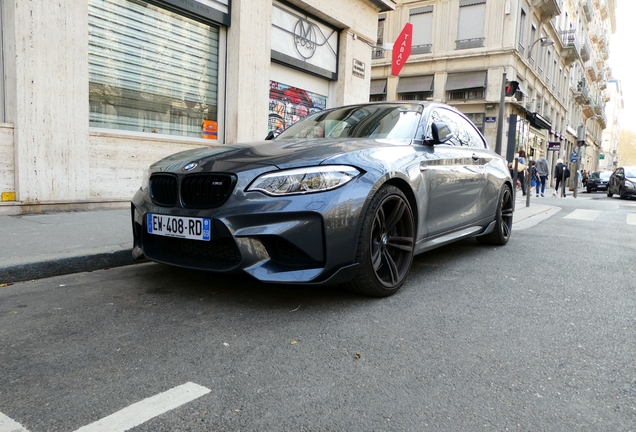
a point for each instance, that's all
(402, 49)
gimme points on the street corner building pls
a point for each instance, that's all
(94, 91)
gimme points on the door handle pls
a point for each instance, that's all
(475, 157)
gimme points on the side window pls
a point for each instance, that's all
(474, 137)
(444, 116)
(458, 125)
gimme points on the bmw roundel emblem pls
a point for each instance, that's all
(190, 166)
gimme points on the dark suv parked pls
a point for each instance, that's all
(598, 180)
(623, 182)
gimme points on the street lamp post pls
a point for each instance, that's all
(545, 41)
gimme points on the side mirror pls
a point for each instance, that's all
(441, 132)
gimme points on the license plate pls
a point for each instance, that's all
(178, 226)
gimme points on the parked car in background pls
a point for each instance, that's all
(598, 181)
(623, 182)
(345, 196)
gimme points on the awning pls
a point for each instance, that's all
(416, 84)
(378, 87)
(538, 121)
(465, 80)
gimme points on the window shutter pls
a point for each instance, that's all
(471, 21)
(422, 20)
(150, 69)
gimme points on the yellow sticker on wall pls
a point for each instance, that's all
(8, 196)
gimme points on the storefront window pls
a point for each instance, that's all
(289, 104)
(152, 70)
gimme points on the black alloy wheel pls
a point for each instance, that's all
(621, 193)
(503, 220)
(385, 246)
(609, 192)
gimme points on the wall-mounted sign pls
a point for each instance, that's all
(491, 119)
(358, 68)
(303, 42)
(554, 146)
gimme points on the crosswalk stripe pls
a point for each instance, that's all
(585, 215)
(631, 219)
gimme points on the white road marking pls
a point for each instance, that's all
(585, 215)
(144, 410)
(631, 219)
(9, 425)
(522, 221)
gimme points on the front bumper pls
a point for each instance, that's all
(597, 186)
(309, 239)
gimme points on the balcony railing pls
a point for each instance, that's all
(585, 50)
(421, 49)
(591, 70)
(571, 46)
(469, 43)
(377, 53)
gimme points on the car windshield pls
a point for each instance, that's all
(605, 175)
(383, 121)
(630, 172)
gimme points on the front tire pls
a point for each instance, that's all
(385, 246)
(621, 193)
(609, 192)
(503, 221)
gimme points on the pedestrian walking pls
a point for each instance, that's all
(535, 179)
(521, 173)
(543, 170)
(561, 173)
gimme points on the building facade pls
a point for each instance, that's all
(555, 50)
(608, 158)
(93, 91)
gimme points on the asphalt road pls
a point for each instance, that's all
(539, 335)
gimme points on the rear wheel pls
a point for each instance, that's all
(503, 220)
(385, 246)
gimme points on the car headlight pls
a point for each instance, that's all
(304, 180)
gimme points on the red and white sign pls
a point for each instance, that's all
(402, 49)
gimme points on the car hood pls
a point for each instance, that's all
(281, 154)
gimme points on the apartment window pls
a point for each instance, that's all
(422, 20)
(151, 70)
(378, 50)
(540, 58)
(472, 18)
(415, 88)
(522, 30)
(377, 92)
(477, 119)
(466, 85)
(547, 66)
(533, 35)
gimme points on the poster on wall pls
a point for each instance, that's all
(288, 104)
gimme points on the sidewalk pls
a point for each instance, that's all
(45, 245)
